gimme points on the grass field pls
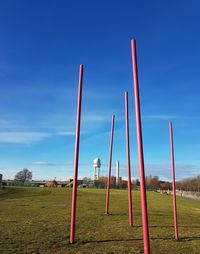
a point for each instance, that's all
(37, 220)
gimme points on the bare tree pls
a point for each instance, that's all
(23, 175)
(152, 183)
(189, 184)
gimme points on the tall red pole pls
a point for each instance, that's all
(109, 166)
(76, 155)
(173, 182)
(140, 152)
(128, 161)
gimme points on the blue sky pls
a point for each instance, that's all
(42, 44)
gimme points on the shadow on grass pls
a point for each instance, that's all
(181, 239)
(190, 238)
(115, 214)
(117, 240)
(168, 226)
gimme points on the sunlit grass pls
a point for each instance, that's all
(37, 220)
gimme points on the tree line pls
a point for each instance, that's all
(152, 182)
(189, 184)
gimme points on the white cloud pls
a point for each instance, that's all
(163, 171)
(160, 117)
(22, 137)
(44, 163)
(42, 170)
(41, 163)
(95, 118)
(66, 133)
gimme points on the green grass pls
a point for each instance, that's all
(36, 220)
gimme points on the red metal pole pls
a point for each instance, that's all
(76, 155)
(109, 166)
(128, 161)
(140, 152)
(173, 182)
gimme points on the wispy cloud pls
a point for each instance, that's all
(14, 133)
(44, 163)
(95, 118)
(31, 137)
(160, 117)
(66, 133)
(62, 123)
(163, 171)
(22, 137)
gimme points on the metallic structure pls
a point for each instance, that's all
(109, 166)
(145, 226)
(96, 166)
(117, 172)
(128, 161)
(76, 156)
(173, 182)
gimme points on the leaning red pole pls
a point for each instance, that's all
(140, 151)
(173, 182)
(76, 155)
(109, 166)
(128, 161)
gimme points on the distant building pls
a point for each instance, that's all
(35, 183)
(117, 173)
(52, 183)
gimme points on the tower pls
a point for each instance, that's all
(117, 172)
(96, 166)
